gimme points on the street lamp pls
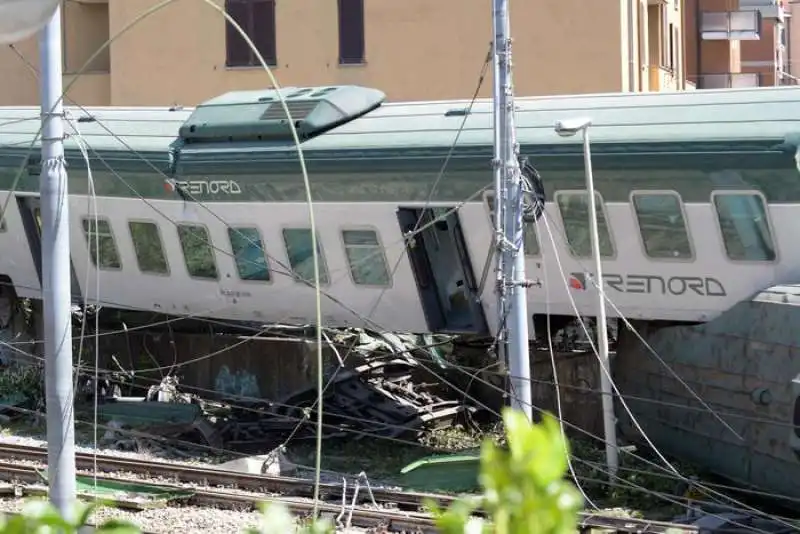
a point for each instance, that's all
(568, 128)
(20, 19)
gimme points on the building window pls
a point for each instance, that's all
(664, 36)
(148, 247)
(248, 252)
(257, 19)
(745, 227)
(531, 239)
(197, 251)
(365, 257)
(672, 43)
(351, 32)
(301, 258)
(677, 61)
(574, 208)
(662, 225)
(102, 247)
(86, 28)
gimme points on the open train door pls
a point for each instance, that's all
(794, 428)
(30, 211)
(442, 270)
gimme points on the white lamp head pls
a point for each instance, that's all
(20, 19)
(569, 127)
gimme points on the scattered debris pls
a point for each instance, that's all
(121, 494)
(273, 463)
(721, 521)
(384, 394)
(451, 474)
(21, 389)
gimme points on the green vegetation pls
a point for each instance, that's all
(524, 489)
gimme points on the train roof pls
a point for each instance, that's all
(692, 116)
(708, 115)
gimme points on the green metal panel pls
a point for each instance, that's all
(260, 115)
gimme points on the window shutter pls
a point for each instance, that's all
(351, 32)
(263, 32)
(237, 52)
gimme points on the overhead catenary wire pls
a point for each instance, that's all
(435, 186)
(674, 499)
(306, 182)
(623, 402)
(538, 409)
(316, 269)
(627, 323)
(95, 234)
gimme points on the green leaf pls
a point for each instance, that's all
(42, 514)
(83, 512)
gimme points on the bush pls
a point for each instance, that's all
(524, 489)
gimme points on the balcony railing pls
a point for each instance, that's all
(729, 80)
(731, 25)
(662, 79)
(769, 9)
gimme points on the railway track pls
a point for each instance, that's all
(402, 510)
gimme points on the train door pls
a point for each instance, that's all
(442, 270)
(30, 211)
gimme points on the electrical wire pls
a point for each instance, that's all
(422, 212)
(361, 433)
(641, 339)
(313, 245)
(296, 139)
(623, 402)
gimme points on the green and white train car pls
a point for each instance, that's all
(203, 211)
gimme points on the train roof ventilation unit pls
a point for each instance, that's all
(259, 115)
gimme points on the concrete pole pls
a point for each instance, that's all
(609, 420)
(513, 309)
(56, 277)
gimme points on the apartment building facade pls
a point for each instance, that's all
(185, 53)
(738, 43)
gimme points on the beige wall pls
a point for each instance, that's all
(415, 49)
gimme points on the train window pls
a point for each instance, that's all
(301, 259)
(148, 247)
(2, 221)
(102, 247)
(662, 225)
(248, 252)
(198, 252)
(745, 226)
(365, 257)
(531, 240)
(574, 208)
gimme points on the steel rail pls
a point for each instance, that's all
(391, 520)
(405, 504)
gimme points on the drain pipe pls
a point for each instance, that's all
(632, 40)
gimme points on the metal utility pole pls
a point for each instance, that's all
(511, 282)
(569, 128)
(56, 276)
(609, 420)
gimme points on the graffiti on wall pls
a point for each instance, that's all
(241, 383)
